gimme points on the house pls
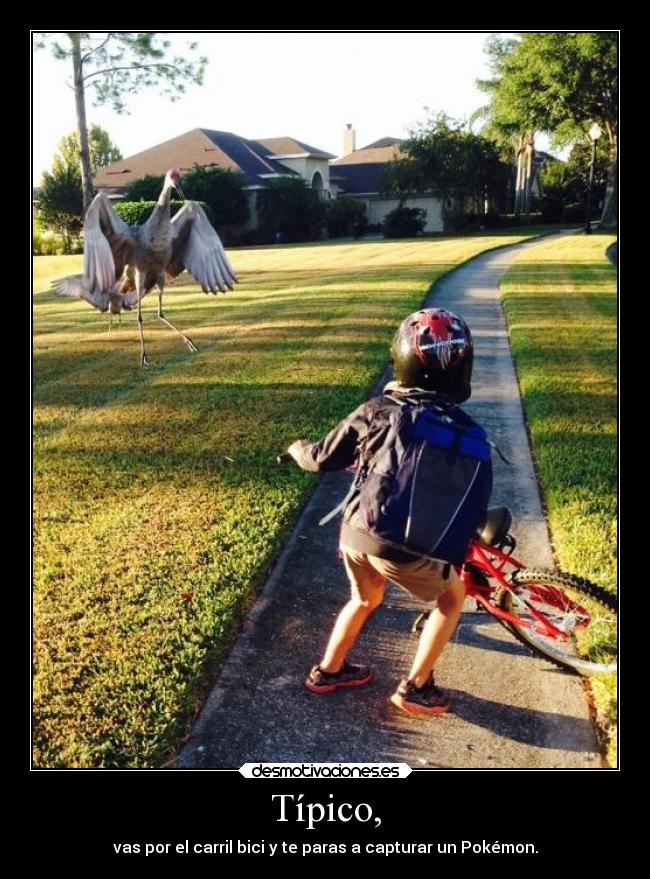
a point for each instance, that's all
(257, 160)
(359, 173)
(356, 173)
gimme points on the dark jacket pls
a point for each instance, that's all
(362, 435)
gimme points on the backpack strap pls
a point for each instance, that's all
(362, 472)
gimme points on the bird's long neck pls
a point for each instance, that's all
(156, 231)
(165, 196)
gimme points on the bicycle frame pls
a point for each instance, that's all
(493, 562)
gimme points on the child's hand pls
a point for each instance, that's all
(295, 448)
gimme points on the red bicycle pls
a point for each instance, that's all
(559, 616)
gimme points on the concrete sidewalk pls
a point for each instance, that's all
(510, 709)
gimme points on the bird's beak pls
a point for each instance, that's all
(179, 191)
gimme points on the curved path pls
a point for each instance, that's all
(511, 710)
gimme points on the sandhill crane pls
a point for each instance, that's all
(123, 263)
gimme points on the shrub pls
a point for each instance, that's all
(573, 213)
(491, 221)
(404, 222)
(532, 219)
(50, 243)
(345, 216)
(290, 209)
(250, 237)
(552, 209)
(146, 188)
(463, 222)
(137, 212)
(36, 237)
(221, 190)
(459, 222)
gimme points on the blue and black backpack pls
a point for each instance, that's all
(429, 487)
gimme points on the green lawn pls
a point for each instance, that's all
(158, 506)
(560, 300)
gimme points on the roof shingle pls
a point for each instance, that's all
(289, 146)
(370, 155)
(207, 148)
(359, 178)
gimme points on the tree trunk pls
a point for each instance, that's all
(82, 127)
(525, 173)
(525, 153)
(528, 153)
(609, 218)
(517, 204)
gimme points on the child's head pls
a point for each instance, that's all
(433, 349)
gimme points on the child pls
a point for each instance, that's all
(432, 354)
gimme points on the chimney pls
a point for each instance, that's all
(349, 139)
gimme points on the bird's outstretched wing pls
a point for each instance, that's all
(108, 245)
(77, 287)
(197, 247)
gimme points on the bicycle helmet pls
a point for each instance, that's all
(433, 349)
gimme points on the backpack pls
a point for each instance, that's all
(429, 486)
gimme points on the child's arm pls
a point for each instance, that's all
(337, 450)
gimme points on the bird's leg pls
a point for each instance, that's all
(190, 344)
(143, 356)
(110, 322)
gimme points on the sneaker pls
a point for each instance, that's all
(426, 700)
(320, 681)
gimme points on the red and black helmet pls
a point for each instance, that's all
(433, 349)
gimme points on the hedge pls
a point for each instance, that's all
(137, 212)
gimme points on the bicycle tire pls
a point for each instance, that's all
(591, 652)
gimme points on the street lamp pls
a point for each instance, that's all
(594, 133)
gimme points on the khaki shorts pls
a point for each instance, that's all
(422, 578)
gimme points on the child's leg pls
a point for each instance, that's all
(368, 588)
(437, 631)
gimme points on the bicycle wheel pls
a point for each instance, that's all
(584, 612)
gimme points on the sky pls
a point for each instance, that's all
(306, 85)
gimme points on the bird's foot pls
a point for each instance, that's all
(143, 362)
(190, 345)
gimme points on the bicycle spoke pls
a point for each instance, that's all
(575, 608)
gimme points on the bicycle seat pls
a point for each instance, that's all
(494, 527)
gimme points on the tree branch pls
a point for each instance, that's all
(129, 67)
(96, 49)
